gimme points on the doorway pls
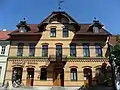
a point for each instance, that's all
(30, 77)
(88, 75)
(58, 77)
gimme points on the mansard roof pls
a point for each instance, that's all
(81, 29)
(84, 30)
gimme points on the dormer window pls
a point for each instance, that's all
(95, 26)
(23, 29)
(95, 29)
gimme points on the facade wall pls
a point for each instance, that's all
(3, 60)
(79, 61)
(49, 82)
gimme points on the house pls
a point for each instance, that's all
(58, 51)
(4, 51)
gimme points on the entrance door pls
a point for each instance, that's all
(30, 77)
(58, 77)
(88, 75)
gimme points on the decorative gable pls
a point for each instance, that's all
(59, 17)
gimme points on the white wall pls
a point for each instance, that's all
(3, 60)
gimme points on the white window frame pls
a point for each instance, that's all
(3, 49)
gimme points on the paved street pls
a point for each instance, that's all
(100, 88)
(62, 88)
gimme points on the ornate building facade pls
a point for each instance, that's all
(58, 52)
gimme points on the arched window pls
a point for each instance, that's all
(73, 74)
(17, 75)
(43, 75)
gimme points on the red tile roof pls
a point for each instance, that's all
(4, 35)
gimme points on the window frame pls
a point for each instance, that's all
(53, 32)
(59, 48)
(73, 74)
(20, 49)
(65, 30)
(45, 50)
(96, 29)
(32, 49)
(73, 49)
(98, 50)
(3, 49)
(86, 50)
(43, 74)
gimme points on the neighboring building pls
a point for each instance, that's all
(4, 50)
(58, 52)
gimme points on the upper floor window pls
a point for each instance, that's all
(95, 29)
(20, 49)
(73, 50)
(31, 49)
(43, 75)
(65, 32)
(53, 32)
(86, 51)
(58, 50)
(44, 50)
(3, 49)
(98, 50)
(73, 74)
(23, 29)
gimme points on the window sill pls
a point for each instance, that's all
(86, 56)
(71, 57)
(99, 56)
(73, 80)
(52, 36)
(2, 55)
(43, 80)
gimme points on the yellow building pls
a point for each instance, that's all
(58, 52)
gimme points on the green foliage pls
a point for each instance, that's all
(117, 47)
(115, 52)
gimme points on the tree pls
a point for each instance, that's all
(114, 57)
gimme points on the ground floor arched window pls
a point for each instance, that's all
(73, 74)
(88, 75)
(17, 76)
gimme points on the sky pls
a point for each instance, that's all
(83, 11)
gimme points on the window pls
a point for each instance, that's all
(44, 50)
(58, 50)
(86, 52)
(20, 49)
(73, 50)
(73, 74)
(53, 32)
(3, 50)
(98, 50)
(65, 32)
(16, 75)
(43, 75)
(31, 49)
(23, 29)
(95, 29)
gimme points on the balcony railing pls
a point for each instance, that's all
(57, 58)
